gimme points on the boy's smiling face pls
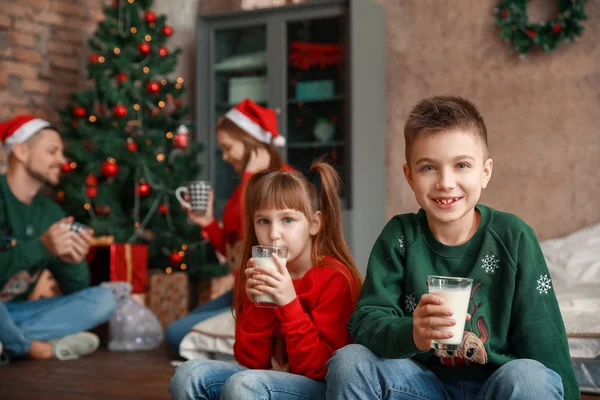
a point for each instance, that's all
(447, 172)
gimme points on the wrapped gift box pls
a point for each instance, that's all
(168, 295)
(120, 262)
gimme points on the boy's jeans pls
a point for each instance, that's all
(354, 372)
(208, 379)
(53, 318)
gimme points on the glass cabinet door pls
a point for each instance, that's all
(239, 69)
(317, 92)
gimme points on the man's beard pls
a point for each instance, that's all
(39, 177)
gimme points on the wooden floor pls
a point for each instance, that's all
(103, 375)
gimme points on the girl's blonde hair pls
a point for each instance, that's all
(293, 190)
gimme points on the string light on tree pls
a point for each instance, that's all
(182, 139)
(163, 209)
(167, 30)
(163, 51)
(117, 50)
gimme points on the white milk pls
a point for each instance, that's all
(266, 263)
(458, 301)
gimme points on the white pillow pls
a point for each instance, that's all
(208, 339)
(574, 258)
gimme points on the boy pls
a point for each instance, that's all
(514, 345)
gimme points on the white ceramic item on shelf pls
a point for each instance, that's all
(324, 130)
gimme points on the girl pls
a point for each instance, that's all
(248, 135)
(282, 351)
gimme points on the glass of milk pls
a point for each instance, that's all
(456, 293)
(263, 257)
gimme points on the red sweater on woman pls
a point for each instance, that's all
(313, 325)
(233, 218)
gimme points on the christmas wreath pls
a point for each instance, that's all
(511, 16)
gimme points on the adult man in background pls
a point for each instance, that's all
(35, 235)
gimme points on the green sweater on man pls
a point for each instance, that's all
(514, 311)
(23, 256)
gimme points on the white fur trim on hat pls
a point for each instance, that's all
(279, 141)
(27, 130)
(254, 129)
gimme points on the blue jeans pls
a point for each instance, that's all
(176, 330)
(208, 379)
(52, 318)
(354, 372)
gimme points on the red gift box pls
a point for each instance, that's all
(120, 262)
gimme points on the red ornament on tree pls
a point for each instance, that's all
(66, 167)
(144, 48)
(167, 30)
(153, 87)
(122, 77)
(110, 168)
(120, 111)
(91, 180)
(163, 51)
(182, 139)
(505, 13)
(531, 33)
(144, 189)
(557, 28)
(79, 112)
(163, 209)
(175, 258)
(93, 58)
(91, 192)
(132, 147)
(150, 17)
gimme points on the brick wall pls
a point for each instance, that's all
(43, 53)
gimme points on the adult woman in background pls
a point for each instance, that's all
(248, 136)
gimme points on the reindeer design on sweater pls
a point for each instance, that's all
(471, 349)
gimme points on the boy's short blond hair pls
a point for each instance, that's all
(442, 113)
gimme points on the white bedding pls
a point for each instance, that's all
(574, 264)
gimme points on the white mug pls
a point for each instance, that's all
(198, 191)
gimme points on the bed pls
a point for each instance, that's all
(574, 264)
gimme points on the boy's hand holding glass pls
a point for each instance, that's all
(274, 282)
(429, 315)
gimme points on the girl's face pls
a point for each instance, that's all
(233, 150)
(288, 228)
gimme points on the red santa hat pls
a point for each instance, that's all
(260, 122)
(19, 129)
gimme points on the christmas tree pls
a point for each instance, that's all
(128, 144)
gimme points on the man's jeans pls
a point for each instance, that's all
(208, 379)
(53, 318)
(354, 372)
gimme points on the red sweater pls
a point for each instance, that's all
(313, 325)
(233, 218)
